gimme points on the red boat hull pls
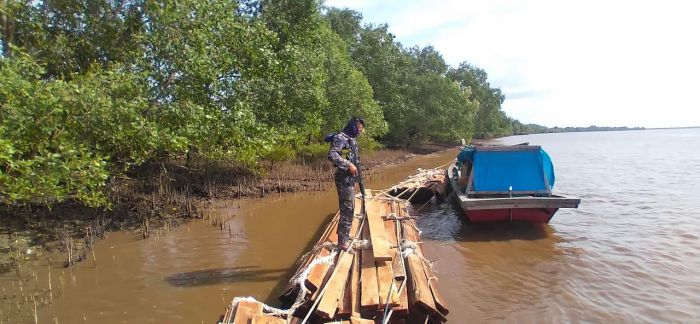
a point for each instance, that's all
(532, 215)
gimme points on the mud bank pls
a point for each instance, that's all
(163, 194)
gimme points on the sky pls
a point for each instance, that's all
(565, 63)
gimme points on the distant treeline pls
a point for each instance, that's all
(91, 88)
(524, 129)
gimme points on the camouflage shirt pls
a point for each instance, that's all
(342, 153)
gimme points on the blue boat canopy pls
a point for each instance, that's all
(498, 168)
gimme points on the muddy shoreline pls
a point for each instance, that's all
(164, 194)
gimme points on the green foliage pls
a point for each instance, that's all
(313, 151)
(58, 137)
(280, 153)
(490, 120)
(418, 102)
(367, 144)
(347, 90)
(89, 88)
(69, 36)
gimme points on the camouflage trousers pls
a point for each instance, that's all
(345, 184)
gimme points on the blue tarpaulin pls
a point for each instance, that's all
(498, 170)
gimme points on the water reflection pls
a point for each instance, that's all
(446, 222)
(492, 269)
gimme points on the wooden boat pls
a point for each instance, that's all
(506, 183)
(422, 186)
(388, 280)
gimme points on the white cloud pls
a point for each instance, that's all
(633, 63)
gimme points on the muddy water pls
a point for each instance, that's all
(630, 253)
(190, 273)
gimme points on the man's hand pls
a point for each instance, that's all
(352, 169)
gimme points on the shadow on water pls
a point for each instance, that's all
(476, 232)
(249, 273)
(224, 275)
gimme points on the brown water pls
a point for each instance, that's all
(190, 273)
(630, 253)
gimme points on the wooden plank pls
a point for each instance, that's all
(440, 303)
(328, 306)
(345, 303)
(226, 318)
(420, 294)
(380, 246)
(402, 309)
(292, 289)
(355, 288)
(385, 274)
(267, 319)
(354, 283)
(385, 282)
(322, 239)
(345, 307)
(318, 273)
(245, 311)
(390, 227)
(369, 291)
(355, 232)
(358, 320)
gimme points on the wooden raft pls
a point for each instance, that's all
(358, 286)
(421, 187)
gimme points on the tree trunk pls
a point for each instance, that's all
(7, 29)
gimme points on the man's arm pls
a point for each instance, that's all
(334, 154)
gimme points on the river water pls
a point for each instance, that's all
(629, 253)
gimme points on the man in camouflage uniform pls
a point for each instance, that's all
(343, 154)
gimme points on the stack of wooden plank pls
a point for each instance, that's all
(364, 285)
(247, 311)
(421, 187)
